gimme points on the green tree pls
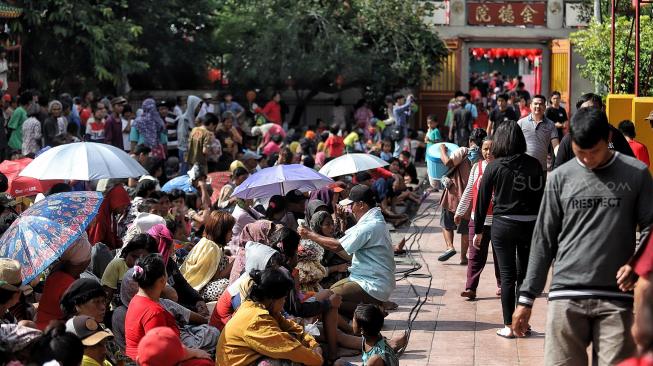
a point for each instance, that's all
(380, 45)
(177, 35)
(112, 44)
(70, 45)
(593, 44)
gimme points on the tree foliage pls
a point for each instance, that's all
(309, 43)
(77, 44)
(593, 44)
(72, 45)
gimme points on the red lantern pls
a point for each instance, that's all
(340, 80)
(523, 52)
(501, 52)
(538, 51)
(479, 52)
(490, 53)
(531, 57)
(512, 53)
(214, 74)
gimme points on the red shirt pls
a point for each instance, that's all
(144, 314)
(335, 146)
(640, 150)
(482, 120)
(272, 112)
(49, 308)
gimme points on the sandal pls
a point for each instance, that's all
(470, 294)
(505, 332)
(400, 251)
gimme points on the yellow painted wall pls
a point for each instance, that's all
(619, 107)
(642, 107)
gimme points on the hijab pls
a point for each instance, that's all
(163, 237)
(149, 124)
(313, 206)
(258, 232)
(317, 220)
(258, 256)
(187, 121)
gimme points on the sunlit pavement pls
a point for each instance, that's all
(448, 329)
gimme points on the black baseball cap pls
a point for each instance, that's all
(360, 193)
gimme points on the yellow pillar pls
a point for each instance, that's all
(642, 107)
(619, 107)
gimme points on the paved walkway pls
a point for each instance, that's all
(447, 329)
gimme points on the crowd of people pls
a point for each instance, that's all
(544, 191)
(175, 270)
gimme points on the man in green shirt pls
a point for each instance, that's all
(16, 122)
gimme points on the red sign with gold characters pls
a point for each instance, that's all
(506, 13)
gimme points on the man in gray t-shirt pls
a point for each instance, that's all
(539, 131)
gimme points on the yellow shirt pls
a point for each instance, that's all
(87, 361)
(201, 263)
(350, 139)
(253, 333)
(114, 273)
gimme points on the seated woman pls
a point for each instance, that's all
(187, 296)
(145, 312)
(84, 297)
(259, 257)
(258, 231)
(195, 333)
(258, 333)
(139, 246)
(71, 265)
(206, 267)
(335, 263)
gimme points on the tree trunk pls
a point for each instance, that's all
(301, 106)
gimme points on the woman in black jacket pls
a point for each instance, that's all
(517, 182)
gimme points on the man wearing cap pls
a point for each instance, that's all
(251, 159)
(94, 338)
(10, 281)
(113, 124)
(207, 105)
(371, 278)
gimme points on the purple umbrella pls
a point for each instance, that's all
(279, 180)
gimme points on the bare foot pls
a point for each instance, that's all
(399, 342)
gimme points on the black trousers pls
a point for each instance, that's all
(512, 244)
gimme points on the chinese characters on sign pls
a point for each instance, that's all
(506, 13)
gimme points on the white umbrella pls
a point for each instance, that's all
(351, 164)
(83, 161)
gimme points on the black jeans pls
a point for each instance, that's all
(512, 243)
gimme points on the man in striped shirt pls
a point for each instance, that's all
(539, 131)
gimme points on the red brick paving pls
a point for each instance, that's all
(448, 330)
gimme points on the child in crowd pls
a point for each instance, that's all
(368, 321)
(433, 135)
(334, 145)
(386, 150)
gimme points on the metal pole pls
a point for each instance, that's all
(612, 44)
(637, 9)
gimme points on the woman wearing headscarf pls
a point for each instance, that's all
(186, 123)
(336, 264)
(206, 267)
(258, 232)
(244, 215)
(188, 296)
(71, 265)
(149, 129)
(105, 226)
